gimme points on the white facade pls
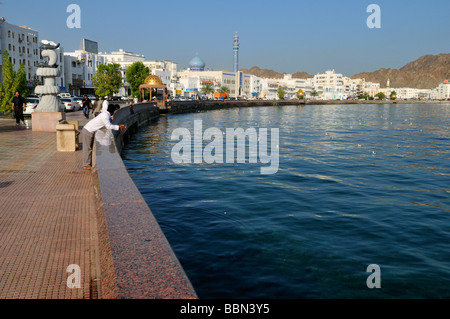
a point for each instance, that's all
(269, 88)
(329, 85)
(81, 66)
(166, 70)
(240, 85)
(23, 46)
(444, 90)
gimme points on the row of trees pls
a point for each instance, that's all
(209, 89)
(379, 95)
(12, 81)
(108, 78)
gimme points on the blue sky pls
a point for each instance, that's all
(283, 35)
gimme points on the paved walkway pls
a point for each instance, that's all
(47, 216)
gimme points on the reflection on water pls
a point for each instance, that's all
(357, 185)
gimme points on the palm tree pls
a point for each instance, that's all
(393, 95)
(224, 89)
(207, 89)
(314, 93)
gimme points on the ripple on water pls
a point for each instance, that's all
(357, 185)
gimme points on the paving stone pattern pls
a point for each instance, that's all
(47, 217)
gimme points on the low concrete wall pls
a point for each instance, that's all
(136, 259)
(201, 106)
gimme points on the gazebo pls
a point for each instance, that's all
(150, 83)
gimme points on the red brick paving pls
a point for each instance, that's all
(47, 216)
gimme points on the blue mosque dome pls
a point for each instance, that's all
(197, 64)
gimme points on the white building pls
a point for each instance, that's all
(444, 90)
(23, 46)
(329, 85)
(255, 86)
(166, 70)
(81, 66)
(191, 81)
(269, 88)
(353, 87)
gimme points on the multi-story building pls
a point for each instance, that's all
(329, 85)
(269, 88)
(22, 45)
(166, 70)
(353, 87)
(81, 67)
(191, 80)
(444, 90)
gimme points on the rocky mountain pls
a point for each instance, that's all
(266, 73)
(424, 73)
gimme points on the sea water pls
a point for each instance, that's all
(357, 185)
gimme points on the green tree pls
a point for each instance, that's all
(107, 80)
(224, 89)
(364, 96)
(136, 75)
(314, 93)
(380, 95)
(393, 95)
(8, 84)
(20, 81)
(207, 89)
(281, 93)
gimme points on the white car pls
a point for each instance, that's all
(31, 104)
(70, 104)
(79, 101)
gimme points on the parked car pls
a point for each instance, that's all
(31, 105)
(70, 104)
(79, 101)
(64, 95)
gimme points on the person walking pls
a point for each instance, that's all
(87, 105)
(18, 106)
(97, 106)
(105, 103)
(88, 133)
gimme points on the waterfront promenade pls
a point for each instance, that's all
(55, 215)
(47, 216)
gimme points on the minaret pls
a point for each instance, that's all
(388, 83)
(236, 53)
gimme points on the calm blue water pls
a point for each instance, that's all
(357, 185)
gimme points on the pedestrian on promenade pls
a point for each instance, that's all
(88, 132)
(105, 103)
(18, 106)
(87, 105)
(97, 106)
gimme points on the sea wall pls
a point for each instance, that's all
(200, 106)
(136, 259)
